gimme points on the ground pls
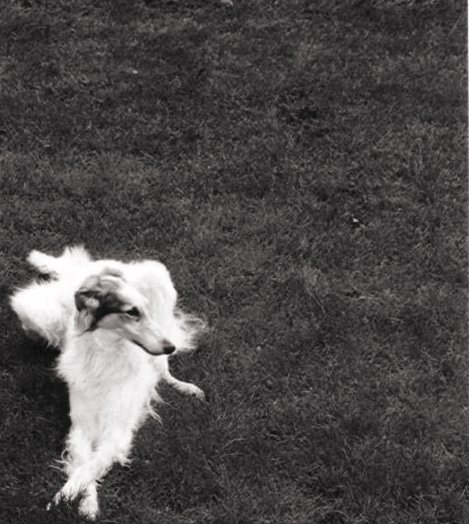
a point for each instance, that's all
(300, 166)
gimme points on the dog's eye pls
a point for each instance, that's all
(133, 312)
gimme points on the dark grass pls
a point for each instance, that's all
(301, 168)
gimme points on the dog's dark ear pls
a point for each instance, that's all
(87, 297)
(87, 302)
(96, 298)
(94, 291)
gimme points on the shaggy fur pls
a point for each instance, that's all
(115, 324)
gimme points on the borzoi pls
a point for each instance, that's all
(115, 324)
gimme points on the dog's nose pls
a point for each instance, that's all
(168, 348)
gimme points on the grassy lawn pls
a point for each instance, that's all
(300, 166)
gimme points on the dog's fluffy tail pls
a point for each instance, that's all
(56, 266)
(40, 310)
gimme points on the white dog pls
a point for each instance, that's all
(115, 324)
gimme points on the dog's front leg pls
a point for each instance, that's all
(79, 452)
(82, 479)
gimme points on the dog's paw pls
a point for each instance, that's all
(70, 491)
(193, 391)
(88, 507)
(188, 389)
(58, 498)
(198, 393)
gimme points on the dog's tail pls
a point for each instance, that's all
(40, 310)
(56, 266)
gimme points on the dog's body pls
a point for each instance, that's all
(115, 324)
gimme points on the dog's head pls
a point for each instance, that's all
(107, 301)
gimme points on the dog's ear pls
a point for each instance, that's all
(87, 296)
(96, 298)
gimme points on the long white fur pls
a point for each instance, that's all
(112, 381)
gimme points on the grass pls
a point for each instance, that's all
(300, 166)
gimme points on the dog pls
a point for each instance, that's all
(115, 325)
